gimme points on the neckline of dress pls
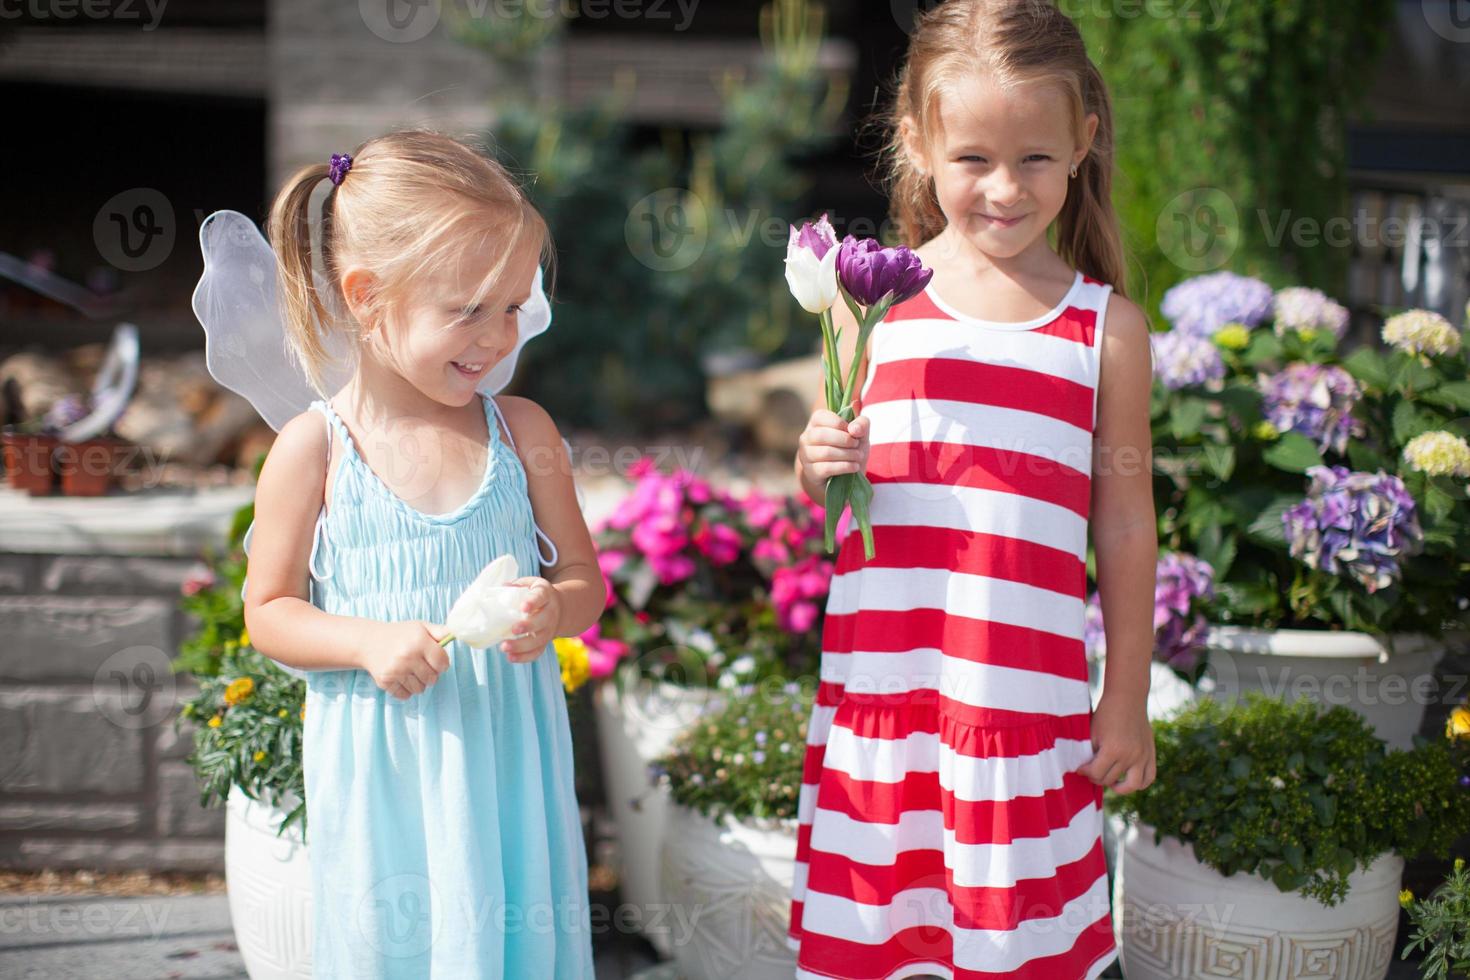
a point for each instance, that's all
(1031, 324)
(448, 517)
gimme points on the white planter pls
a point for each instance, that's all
(268, 879)
(1390, 688)
(633, 730)
(728, 885)
(1177, 917)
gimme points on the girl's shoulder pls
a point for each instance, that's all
(530, 425)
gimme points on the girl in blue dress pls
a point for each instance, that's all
(445, 835)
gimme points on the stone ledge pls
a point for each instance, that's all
(150, 522)
(36, 853)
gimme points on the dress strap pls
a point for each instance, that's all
(540, 534)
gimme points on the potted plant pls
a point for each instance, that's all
(1325, 490)
(1441, 926)
(1280, 834)
(729, 851)
(30, 448)
(707, 590)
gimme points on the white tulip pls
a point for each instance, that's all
(486, 612)
(813, 280)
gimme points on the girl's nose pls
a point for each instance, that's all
(1003, 188)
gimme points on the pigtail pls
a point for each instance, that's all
(303, 311)
(1089, 236)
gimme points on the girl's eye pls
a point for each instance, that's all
(1038, 156)
(971, 158)
(513, 309)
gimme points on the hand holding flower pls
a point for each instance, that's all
(541, 607)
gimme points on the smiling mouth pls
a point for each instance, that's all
(1002, 221)
(469, 369)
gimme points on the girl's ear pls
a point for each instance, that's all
(913, 146)
(1089, 132)
(358, 286)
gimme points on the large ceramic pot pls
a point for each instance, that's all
(634, 727)
(1389, 685)
(268, 879)
(1174, 916)
(728, 888)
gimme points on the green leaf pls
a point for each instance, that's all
(1451, 394)
(1186, 416)
(1268, 528)
(1264, 346)
(1411, 376)
(1293, 452)
(1286, 879)
(1240, 766)
(1220, 460)
(1367, 366)
(1296, 856)
(1364, 457)
(1409, 422)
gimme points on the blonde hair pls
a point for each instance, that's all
(410, 203)
(1012, 41)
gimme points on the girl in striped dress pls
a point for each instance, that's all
(951, 805)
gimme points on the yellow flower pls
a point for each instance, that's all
(244, 638)
(1406, 897)
(1459, 864)
(1233, 336)
(571, 653)
(259, 754)
(214, 722)
(1421, 332)
(1265, 431)
(239, 690)
(1458, 725)
(303, 712)
(282, 713)
(1438, 453)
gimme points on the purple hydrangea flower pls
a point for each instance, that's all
(1204, 304)
(1316, 400)
(1180, 628)
(1182, 359)
(1354, 524)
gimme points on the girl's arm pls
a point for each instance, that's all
(282, 622)
(1124, 526)
(576, 578)
(1125, 537)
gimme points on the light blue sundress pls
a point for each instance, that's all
(445, 840)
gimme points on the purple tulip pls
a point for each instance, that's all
(872, 273)
(819, 236)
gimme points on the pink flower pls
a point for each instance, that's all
(603, 653)
(672, 569)
(199, 578)
(794, 590)
(760, 509)
(719, 543)
(660, 536)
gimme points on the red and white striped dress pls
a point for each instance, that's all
(943, 827)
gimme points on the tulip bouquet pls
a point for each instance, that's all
(870, 279)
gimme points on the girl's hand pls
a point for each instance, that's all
(542, 608)
(407, 658)
(829, 447)
(1123, 743)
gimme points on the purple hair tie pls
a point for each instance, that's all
(341, 163)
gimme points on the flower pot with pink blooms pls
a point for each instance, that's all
(706, 591)
(1312, 499)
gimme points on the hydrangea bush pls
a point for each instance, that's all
(707, 587)
(1322, 488)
